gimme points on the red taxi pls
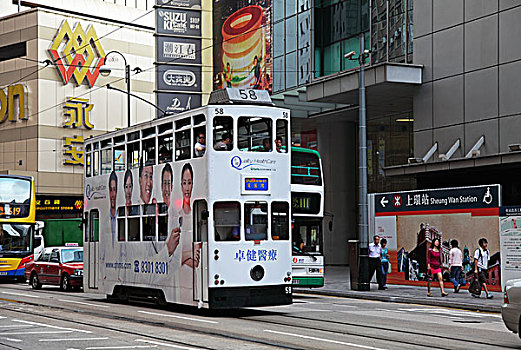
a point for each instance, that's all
(61, 266)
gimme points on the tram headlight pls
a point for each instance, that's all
(257, 273)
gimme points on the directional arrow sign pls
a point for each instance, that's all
(383, 202)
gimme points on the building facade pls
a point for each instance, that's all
(52, 93)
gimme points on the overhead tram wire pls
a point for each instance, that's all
(144, 70)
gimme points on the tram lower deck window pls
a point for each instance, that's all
(227, 221)
(280, 220)
(256, 221)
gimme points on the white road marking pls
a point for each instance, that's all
(12, 339)
(12, 326)
(324, 340)
(50, 326)
(121, 347)
(165, 344)
(75, 339)
(82, 303)
(303, 301)
(22, 295)
(451, 312)
(36, 332)
(1, 317)
(175, 316)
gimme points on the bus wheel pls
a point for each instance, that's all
(65, 283)
(35, 282)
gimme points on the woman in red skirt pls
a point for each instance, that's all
(434, 266)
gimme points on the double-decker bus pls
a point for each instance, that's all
(307, 198)
(17, 224)
(193, 208)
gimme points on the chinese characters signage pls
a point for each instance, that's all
(442, 199)
(56, 204)
(178, 50)
(181, 78)
(78, 54)
(255, 184)
(8, 103)
(77, 115)
(256, 255)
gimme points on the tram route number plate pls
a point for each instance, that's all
(3, 273)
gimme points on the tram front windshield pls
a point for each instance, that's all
(307, 236)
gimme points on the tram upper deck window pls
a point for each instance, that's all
(280, 220)
(223, 133)
(227, 221)
(281, 137)
(256, 221)
(106, 161)
(148, 151)
(255, 134)
(182, 145)
(133, 150)
(164, 144)
(88, 164)
(95, 163)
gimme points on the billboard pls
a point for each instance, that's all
(178, 50)
(242, 45)
(178, 22)
(174, 103)
(411, 220)
(510, 241)
(191, 4)
(179, 78)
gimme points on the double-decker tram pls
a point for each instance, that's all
(193, 208)
(307, 198)
(17, 224)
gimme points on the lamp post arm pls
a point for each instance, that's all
(119, 53)
(138, 97)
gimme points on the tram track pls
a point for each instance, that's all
(177, 327)
(345, 328)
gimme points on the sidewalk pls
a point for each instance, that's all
(337, 284)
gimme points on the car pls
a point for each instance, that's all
(511, 309)
(61, 266)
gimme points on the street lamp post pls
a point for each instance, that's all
(362, 168)
(106, 71)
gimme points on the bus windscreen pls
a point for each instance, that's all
(15, 197)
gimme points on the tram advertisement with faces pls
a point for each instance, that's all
(242, 44)
(411, 220)
(164, 194)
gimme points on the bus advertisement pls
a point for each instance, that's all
(17, 225)
(307, 201)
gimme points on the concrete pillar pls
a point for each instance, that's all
(338, 148)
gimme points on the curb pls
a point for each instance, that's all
(405, 300)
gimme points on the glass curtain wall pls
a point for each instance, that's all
(291, 44)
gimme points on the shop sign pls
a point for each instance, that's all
(77, 54)
(192, 4)
(59, 204)
(180, 78)
(178, 22)
(178, 50)
(446, 199)
(8, 98)
(176, 103)
(77, 113)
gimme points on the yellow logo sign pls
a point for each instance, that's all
(8, 103)
(73, 148)
(77, 54)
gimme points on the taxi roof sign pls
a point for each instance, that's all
(71, 244)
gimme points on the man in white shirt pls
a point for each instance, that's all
(375, 252)
(481, 259)
(455, 265)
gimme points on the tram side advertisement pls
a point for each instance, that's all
(411, 220)
(165, 194)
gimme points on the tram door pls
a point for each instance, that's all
(93, 248)
(200, 245)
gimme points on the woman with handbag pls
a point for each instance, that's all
(434, 266)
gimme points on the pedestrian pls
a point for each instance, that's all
(434, 266)
(375, 253)
(385, 262)
(481, 259)
(456, 265)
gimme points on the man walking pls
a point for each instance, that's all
(455, 263)
(375, 252)
(481, 258)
